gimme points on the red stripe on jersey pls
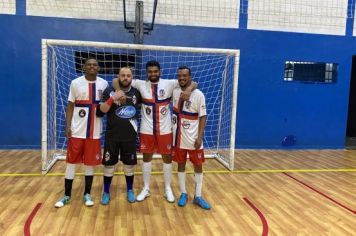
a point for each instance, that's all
(148, 100)
(91, 92)
(82, 102)
(188, 117)
(163, 103)
(89, 101)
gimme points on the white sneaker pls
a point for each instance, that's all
(169, 195)
(88, 200)
(143, 194)
(63, 201)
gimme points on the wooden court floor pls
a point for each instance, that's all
(270, 193)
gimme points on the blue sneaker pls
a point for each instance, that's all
(202, 203)
(183, 200)
(105, 199)
(131, 196)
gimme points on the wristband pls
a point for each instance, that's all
(110, 101)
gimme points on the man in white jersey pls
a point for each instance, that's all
(189, 119)
(83, 129)
(156, 124)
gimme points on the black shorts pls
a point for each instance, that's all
(126, 150)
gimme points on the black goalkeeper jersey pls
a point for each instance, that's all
(121, 124)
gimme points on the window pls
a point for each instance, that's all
(310, 72)
(109, 63)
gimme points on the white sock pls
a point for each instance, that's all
(109, 171)
(167, 173)
(198, 183)
(146, 172)
(70, 171)
(89, 170)
(181, 179)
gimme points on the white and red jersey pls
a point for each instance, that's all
(155, 112)
(86, 96)
(186, 118)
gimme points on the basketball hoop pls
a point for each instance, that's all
(138, 27)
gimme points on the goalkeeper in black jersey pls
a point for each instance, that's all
(121, 132)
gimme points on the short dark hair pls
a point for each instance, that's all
(185, 68)
(153, 63)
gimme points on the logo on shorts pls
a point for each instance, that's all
(97, 156)
(148, 110)
(126, 112)
(100, 93)
(164, 111)
(187, 104)
(169, 146)
(107, 156)
(82, 113)
(186, 125)
(161, 92)
(174, 120)
(199, 155)
(132, 156)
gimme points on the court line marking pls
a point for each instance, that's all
(260, 214)
(27, 231)
(191, 172)
(322, 194)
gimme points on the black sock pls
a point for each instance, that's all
(88, 183)
(107, 183)
(68, 187)
(129, 182)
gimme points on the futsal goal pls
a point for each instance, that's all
(215, 71)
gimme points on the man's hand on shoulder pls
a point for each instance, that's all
(185, 95)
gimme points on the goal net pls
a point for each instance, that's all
(215, 71)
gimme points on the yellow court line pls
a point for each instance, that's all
(190, 172)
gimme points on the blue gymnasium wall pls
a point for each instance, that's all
(268, 108)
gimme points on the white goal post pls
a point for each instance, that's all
(215, 71)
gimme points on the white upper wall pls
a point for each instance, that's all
(8, 7)
(307, 16)
(211, 13)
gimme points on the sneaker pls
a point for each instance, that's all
(169, 195)
(131, 196)
(88, 200)
(143, 194)
(63, 201)
(201, 202)
(105, 198)
(183, 200)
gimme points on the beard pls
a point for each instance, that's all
(153, 79)
(124, 84)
